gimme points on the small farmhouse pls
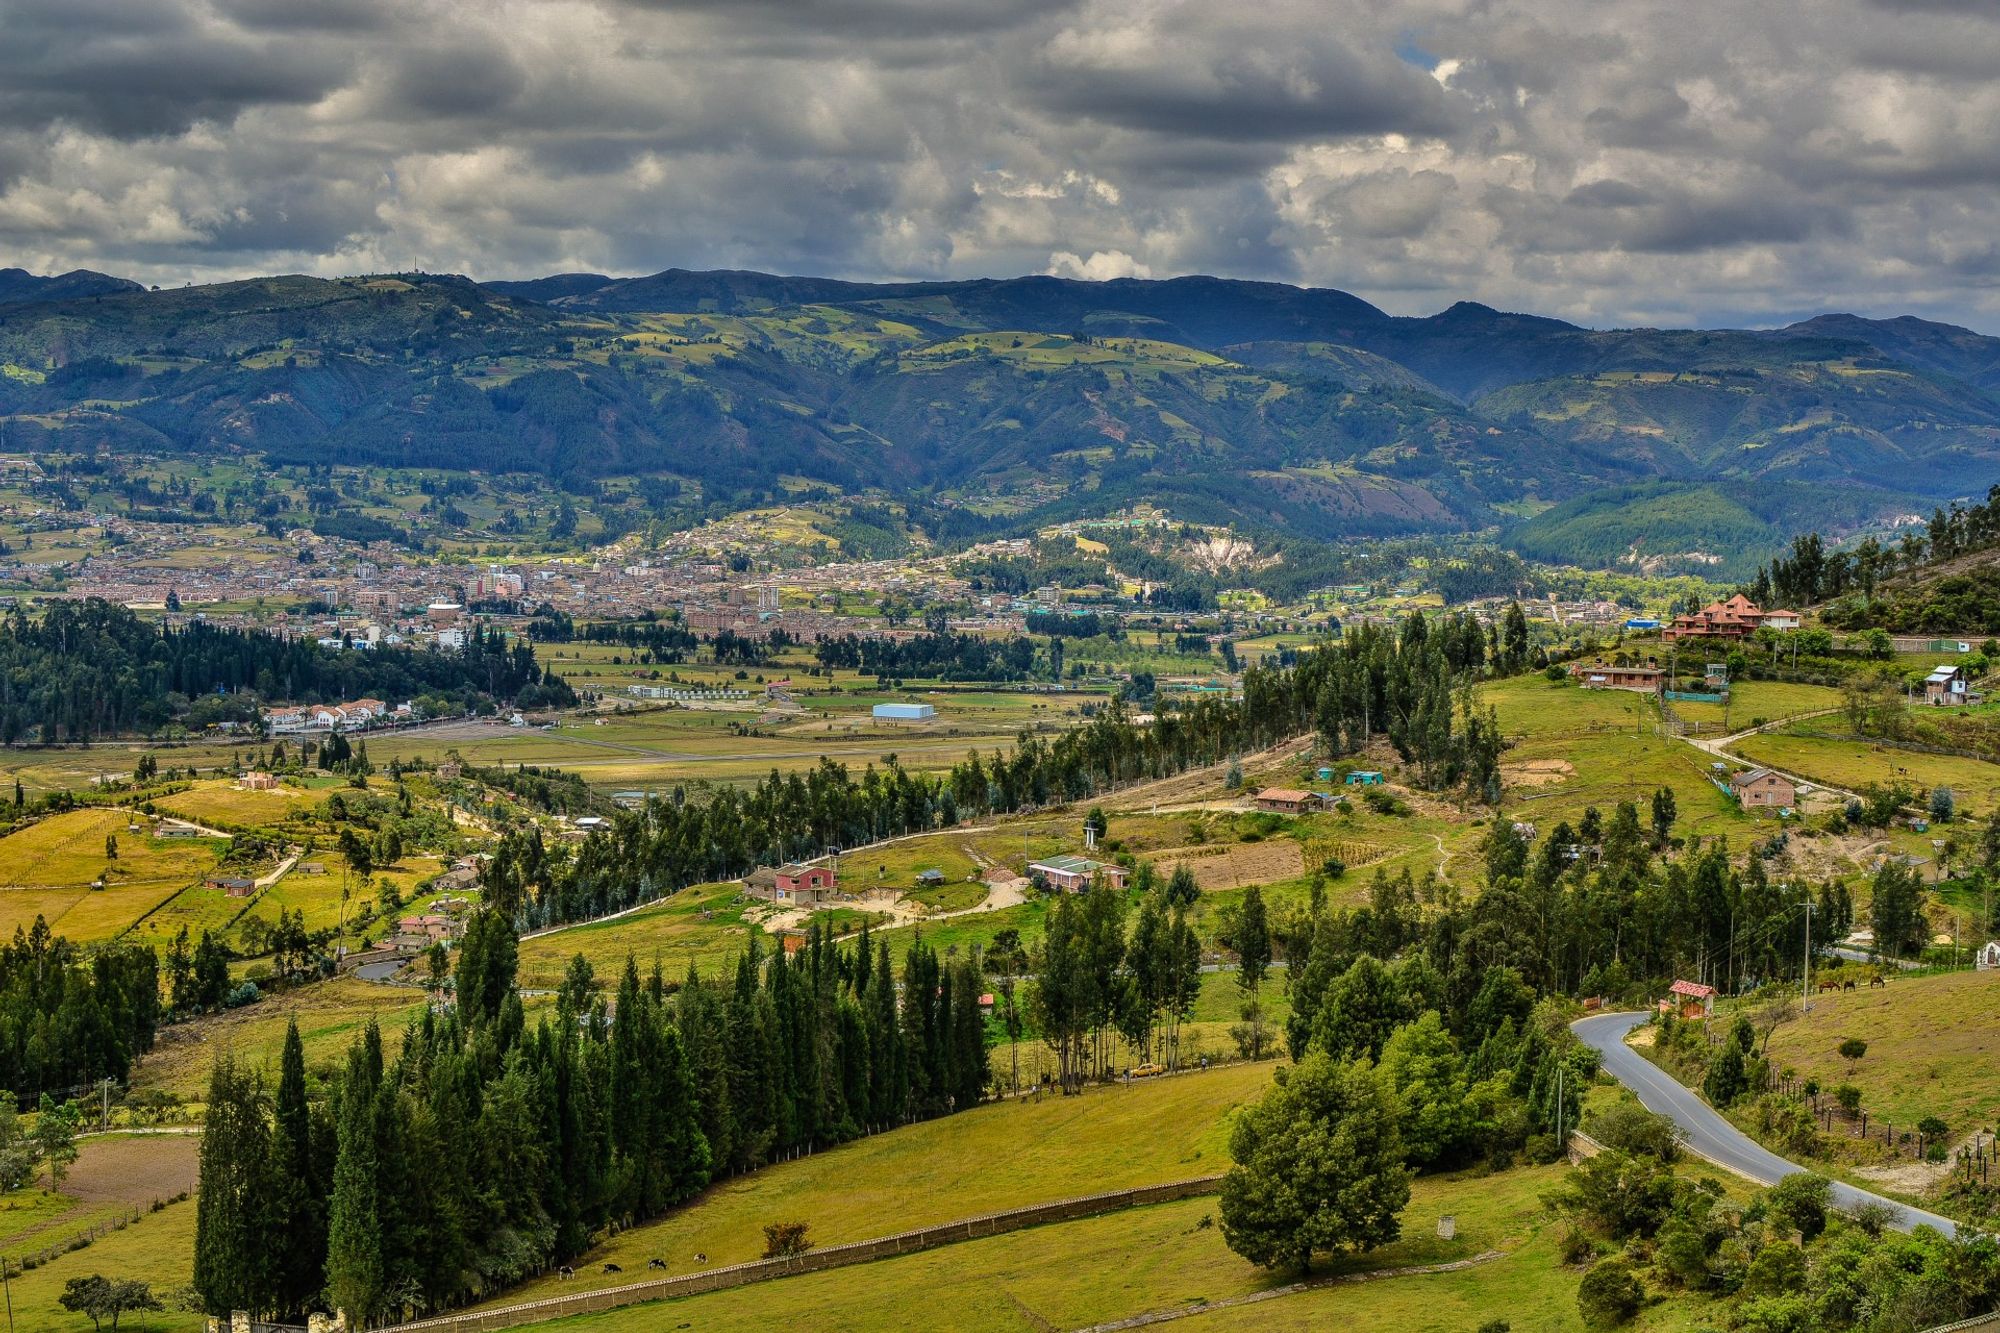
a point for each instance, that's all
(1690, 999)
(1645, 679)
(1761, 789)
(1286, 800)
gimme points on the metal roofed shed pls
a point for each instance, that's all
(904, 712)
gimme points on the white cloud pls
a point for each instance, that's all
(1605, 160)
(1102, 266)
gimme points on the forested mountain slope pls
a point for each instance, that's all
(1029, 398)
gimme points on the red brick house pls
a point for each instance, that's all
(799, 883)
(1761, 789)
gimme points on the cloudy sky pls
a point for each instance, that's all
(1609, 161)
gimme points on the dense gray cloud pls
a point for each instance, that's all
(1609, 161)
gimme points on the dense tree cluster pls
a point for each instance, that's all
(67, 1020)
(941, 654)
(87, 669)
(487, 1151)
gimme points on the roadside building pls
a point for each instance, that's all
(1690, 999)
(233, 885)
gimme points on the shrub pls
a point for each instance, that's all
(1631, 1128)
(1849, 1098)
(783, 1239)
(1609, 1294)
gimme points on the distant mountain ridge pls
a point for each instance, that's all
(17, 285)
(1006, 402)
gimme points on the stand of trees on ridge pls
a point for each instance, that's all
(83, 670)
(1849, 581)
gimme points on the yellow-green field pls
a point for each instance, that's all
(1933, 1048)
(330, 1015)
(47, 869)
(998, 1156)
(1855, 764)
(1172, 1258)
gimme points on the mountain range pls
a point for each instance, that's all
(1010, 402)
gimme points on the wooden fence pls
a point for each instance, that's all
(813, 1261)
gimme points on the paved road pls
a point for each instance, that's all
(1706, 1133)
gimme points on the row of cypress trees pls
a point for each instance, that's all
(486, 1151)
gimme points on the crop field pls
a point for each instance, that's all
(47, 868)
(1932, 1047)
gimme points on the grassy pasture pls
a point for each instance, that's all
(330, 1015)
(1855, 764)
(1165, 1258)
(1754, 701)
(996, 1156)
(1932, 1047)
(47, 868)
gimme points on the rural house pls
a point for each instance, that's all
(1761, 789)
(1690, 999)
(798, 883)
(1645, 679)
(1072, 873)
(1286, 800)
(1947, 686)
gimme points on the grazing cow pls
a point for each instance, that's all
(1848, 984)
(701, 1258)
(565, 1273)
(1825, 986)
(660, 1264)
(613, 1268)
(1877, 980)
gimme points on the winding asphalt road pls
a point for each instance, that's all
(1707, 1134)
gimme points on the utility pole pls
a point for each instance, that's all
(1561, 1138)
(1805, 977)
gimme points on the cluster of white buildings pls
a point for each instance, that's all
(301, 719)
